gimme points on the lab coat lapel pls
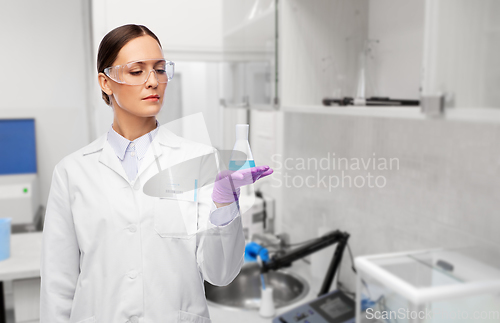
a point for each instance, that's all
(108, 157)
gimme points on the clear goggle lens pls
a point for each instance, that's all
(137, 72)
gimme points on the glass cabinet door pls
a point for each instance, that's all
(462, 42)
(258, 84)
(249, 67)
(233, 81)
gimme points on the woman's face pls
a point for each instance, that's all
(131, 97)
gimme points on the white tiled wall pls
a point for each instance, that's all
(446, 192)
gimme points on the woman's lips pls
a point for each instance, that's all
(153, 98)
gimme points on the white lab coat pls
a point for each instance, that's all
(107, 256)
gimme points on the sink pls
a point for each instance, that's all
(244, 291)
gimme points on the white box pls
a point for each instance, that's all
(19, 197)
(441, 285)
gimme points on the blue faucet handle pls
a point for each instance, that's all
(254, 250)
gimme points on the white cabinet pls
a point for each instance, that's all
(321, 40)
(185, 28)
(249, 67)
(247, 84)
(416, 47)
(462, 42)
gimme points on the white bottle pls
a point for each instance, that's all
(267, 308)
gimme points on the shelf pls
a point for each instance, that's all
(398, 112)
(484, 115)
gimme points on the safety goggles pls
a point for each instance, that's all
(137, 72)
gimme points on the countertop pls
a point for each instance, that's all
(220, 315)
(25, 254)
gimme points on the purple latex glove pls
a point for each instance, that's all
(227, 184)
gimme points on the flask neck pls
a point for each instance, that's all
(242, 132)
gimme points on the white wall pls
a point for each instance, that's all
(444, 193)
(45, 77)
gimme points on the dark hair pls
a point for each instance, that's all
(113, 42)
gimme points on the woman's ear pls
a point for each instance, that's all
(104, 84)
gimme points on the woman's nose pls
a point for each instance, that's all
(153, 81)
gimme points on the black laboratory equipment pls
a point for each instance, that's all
(333, 307)
(372, 101)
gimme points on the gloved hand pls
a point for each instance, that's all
(227, 184)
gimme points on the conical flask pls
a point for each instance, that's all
(241, 158)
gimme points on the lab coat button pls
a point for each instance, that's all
(132, 154)
(132, 144)
(132, 274)
(134, 319)
(132, 228)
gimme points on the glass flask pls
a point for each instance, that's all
(242, 158)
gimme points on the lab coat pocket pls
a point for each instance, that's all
(192, 318)
(89, 320)
(175, 218)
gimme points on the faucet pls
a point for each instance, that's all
(267, 240)
(285, 260)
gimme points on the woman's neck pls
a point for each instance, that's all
(135, 127)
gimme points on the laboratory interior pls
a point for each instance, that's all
(379, 118)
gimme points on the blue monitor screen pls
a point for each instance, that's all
(17, 139)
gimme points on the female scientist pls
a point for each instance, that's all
(111, 253)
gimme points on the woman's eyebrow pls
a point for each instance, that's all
(158, 61)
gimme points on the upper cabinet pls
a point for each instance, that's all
(340, 49)
(249, 69)
(462, 46)
(188, 30)
(306, 51)
(249, 25)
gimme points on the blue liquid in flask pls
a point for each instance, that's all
(241, 164)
